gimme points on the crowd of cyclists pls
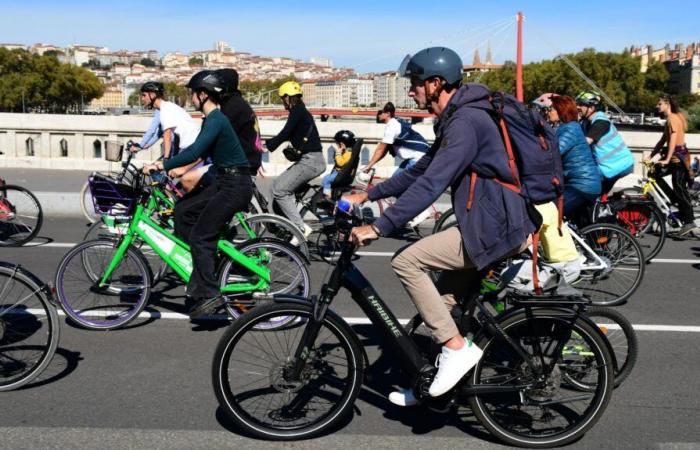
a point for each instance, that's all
(501, 207)
(214, 164)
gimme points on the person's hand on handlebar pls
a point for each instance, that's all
(148, 168)
(356, 199)
(364, 235)
(135, 148)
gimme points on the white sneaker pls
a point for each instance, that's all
(419, 218)
(307, 231)
(403, 397)
(453, 365)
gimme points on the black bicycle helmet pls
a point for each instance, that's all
(154, 86)
(347, 137)
(208, 81)
(433, 62)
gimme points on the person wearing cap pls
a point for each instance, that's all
(300, 130)
(399, 139)
(203, 214)
(496, 225)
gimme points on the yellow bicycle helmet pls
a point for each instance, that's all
(290, 88)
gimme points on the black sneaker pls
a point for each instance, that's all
(204, 306)
(687, 228)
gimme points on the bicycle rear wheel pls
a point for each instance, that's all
(289, 275)
(251, 374)
(550, 413)
(624, 261)
(21, 216)
(29, 328)
(269, 226)
(87, 205)
(102, 307)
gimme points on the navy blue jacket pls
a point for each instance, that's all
(466, 141)
(580, 169)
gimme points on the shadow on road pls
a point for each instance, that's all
(63, 364)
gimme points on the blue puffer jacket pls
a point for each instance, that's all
(580, 169)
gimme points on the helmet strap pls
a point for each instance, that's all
(201, 102)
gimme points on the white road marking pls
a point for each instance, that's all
(378, 254)
(361, 320)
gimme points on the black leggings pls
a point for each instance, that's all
(679, 194)
(200, 218)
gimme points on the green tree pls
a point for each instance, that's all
(177, 93)
(195, 61)
(148, 62)
(36, 83)
(134, 98)
(617, 74)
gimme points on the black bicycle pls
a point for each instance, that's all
(302, 381)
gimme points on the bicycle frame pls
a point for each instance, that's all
(650, 187)
(600, 263)
(176, 253)
(417, 367)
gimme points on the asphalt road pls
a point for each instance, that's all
(149, 386)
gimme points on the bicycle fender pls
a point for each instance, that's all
(299, 300)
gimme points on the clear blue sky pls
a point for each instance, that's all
(366, 35)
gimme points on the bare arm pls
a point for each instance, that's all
(378, 154)
(167, 142)
(672, 139)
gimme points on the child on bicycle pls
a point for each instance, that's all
(344, 140)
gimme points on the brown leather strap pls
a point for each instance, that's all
(535, 272)
(472, 186)
(509, 149)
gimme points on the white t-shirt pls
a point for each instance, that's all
(391, 132)
(173, 116)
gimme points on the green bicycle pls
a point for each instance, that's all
(106, 283)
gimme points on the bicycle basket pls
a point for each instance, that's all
(113, 151)
(111, 197)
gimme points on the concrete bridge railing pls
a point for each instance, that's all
(78, 142)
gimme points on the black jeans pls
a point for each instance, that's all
(679, 194)
(201, 217)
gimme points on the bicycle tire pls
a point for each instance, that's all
(15, 231)
(129, 293)
(87, 206)
(624, 345)
(18, 324)
(645, 221)
(536, 326)
(271, 226)
(447, 220)
(153, 259)
(608, 241)
(292, 280)
(347, 378)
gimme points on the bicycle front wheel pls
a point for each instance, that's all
(20, 216)
(87, 204)
(29, 328)
(269, 226)
(106, 307)
(253, 382)
(99, 230)
(615, 274)
(547, 413)
(622, 341)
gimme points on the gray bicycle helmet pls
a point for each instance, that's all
(431, 62)
(207, 80)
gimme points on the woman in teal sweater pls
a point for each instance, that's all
(202, 215)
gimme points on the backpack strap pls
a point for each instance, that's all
(535, 253)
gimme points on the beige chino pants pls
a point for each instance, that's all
(442, 251)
